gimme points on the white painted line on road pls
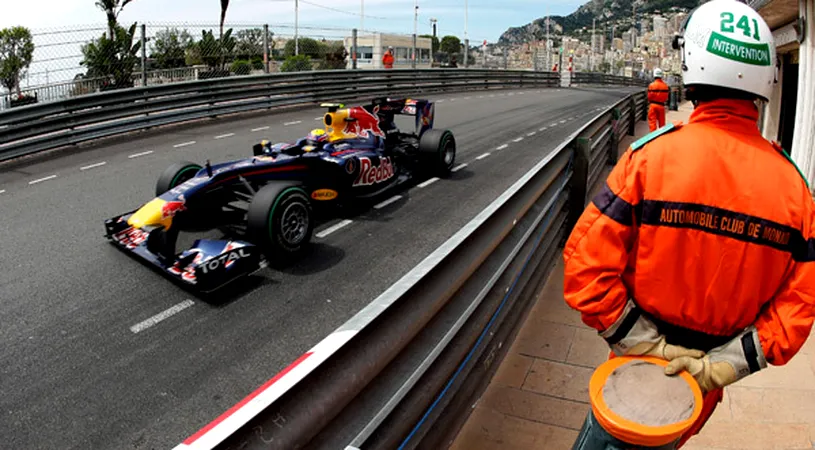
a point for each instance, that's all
(572, 118)
(553, 124)
(2, 191)
(223, 136)
(387, 202)
(292, 123)
(429, 182)
(480, 96)
(452, 99)
(518, 139)
(501, 147)
(99, 164)
(184, 144)
(492, 95)
(466, 98)
(136, 155)
(334, 228)
(167, 313)
(482, 156)
(318, 118)
(543, 129)
(260, 129)
(563, 121)
(455, 169)
(532, 133)
(511, 94)
(49, 177)
(440, 101)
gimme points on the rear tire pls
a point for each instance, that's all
(280, 218)
(175, 175)
(437, 150)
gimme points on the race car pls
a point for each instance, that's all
(265, 205)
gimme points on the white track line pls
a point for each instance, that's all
(260, 129)
(292, 123)
(466, 98)
(318, 118)
(2, 191)
(334, 228)
(183, 144)
(440, 101)
(553, 124)
(482, 156)
(501, 147)
(563, 121)
(136, 155)
(99, 164)
(543, 129)
(39, 180)
(455, 169)
(518, 139)
(387, 202)
(224, 136)
(428, 182)
(532, 133)
(167, 313)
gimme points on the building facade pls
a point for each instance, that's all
(372, 47)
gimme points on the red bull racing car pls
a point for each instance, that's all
(265, 205)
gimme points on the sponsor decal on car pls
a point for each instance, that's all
(131, 237)
(223, 260)
(324, 194)
(171, 208)
(370, 174)
(350, 166)
(365, 124)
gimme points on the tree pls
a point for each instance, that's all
(335, 55)
(170, 48)
(112, 59)
(450, 45)
(311, 47)
(112, 9)
(16, 52)
(211, 51)
(249, 43)
(299, 63)
(434, 46)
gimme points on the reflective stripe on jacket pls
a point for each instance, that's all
(658, 92)
(709, 228)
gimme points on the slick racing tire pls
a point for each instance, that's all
(437, 151)
(280, 218)
(176, 174)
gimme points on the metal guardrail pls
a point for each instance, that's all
(587, 78)
(422, 352)
(47, 126)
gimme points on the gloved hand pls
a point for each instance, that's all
(724, 365)
(634, 335)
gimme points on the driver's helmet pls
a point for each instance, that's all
(316, 137)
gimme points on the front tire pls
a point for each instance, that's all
(175, 175)
(280, 219)
(437, 150)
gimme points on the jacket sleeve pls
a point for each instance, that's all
(786, 321)
(598, 248)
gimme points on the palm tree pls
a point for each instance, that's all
(112, 8)
(224, 7)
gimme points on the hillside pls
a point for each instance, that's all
(607, 12)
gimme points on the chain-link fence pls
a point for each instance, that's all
(71, 62)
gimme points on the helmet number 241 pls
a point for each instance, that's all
(743, 24)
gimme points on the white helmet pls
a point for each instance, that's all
(657, 73)
(726, 43)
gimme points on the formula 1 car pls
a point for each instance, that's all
(265, 205)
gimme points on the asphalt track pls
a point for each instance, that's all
(99, 351)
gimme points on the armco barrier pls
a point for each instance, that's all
(48, 126)
(421, 353)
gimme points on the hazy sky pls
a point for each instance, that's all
(487, 19)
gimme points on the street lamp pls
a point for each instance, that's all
(415, 30)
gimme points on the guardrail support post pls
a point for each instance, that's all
(578, 184)
(466, 53)
(632, 122)
(266, 48)
(143, 55)
(354, 49)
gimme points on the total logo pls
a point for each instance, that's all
(225, 259)
(370, 174)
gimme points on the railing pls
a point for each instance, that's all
(585, 78)
(47, 126)
(421, 353)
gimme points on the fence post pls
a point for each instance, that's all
(578, 185)
(143, 55)
(266, 48)
(354, 47)
(505, 58)
(632, 124)
(466, 53)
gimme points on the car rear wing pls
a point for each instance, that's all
(424, 110)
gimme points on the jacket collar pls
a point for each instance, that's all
(740, 116)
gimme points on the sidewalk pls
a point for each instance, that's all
(538, 397)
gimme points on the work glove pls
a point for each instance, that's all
(724, 365)
(634, 335)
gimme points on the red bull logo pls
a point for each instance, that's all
(364, 125)
(370, 174)
(172, 208)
